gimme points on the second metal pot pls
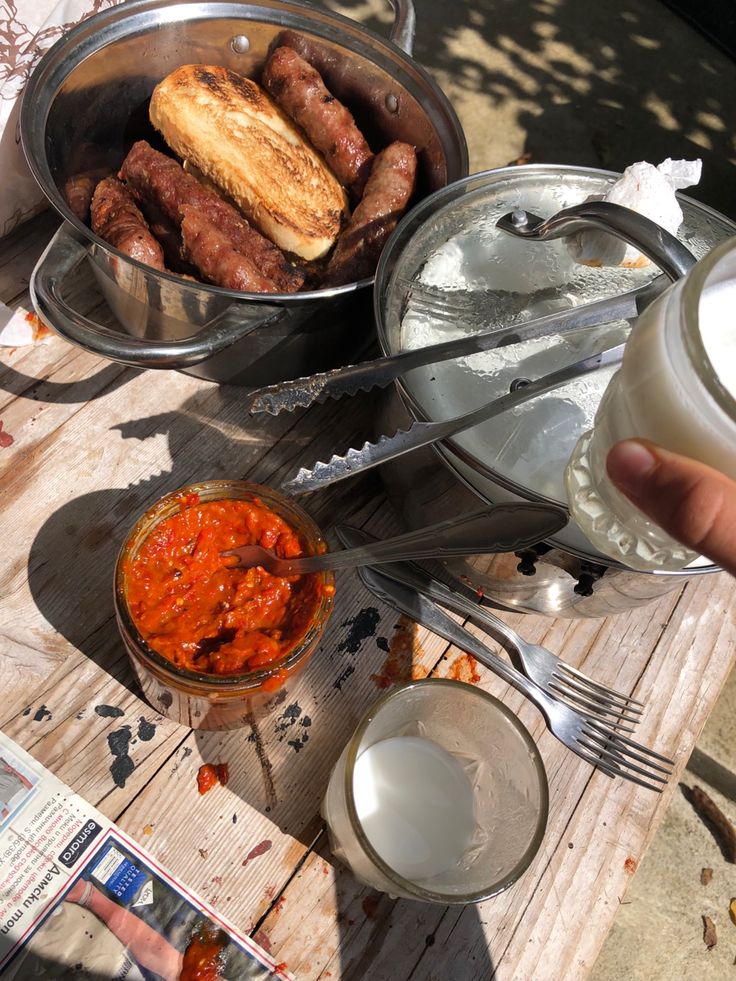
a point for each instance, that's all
(452, 244)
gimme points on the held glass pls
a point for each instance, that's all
(676, 388)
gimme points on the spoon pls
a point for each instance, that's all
(499, 528)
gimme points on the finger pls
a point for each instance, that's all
(691, 501)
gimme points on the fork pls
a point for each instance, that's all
(539, 664)
(452, 306)
(598, 741)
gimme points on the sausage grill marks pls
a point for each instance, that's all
(387, 193)
(211, 251)
(299, 90)
(116, 218)
(200, 231)
(162, 182)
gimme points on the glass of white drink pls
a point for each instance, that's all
(676, 387)
(440, 795)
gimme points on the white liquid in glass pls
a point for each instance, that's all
(416, 805)
(716, 316)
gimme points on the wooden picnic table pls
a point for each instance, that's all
(95, 443)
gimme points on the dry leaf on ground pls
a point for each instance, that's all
(710, 938)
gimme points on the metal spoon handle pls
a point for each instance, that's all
(415, 577)
(503, 528)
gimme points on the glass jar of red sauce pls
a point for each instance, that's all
(211, 645)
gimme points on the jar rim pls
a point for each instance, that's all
(156, 513)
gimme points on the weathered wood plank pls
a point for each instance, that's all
(94, 445)
(553, 921)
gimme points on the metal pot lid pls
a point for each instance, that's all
(483, 277)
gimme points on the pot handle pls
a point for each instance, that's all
(62, 256)
(666, 251)
(404, 26)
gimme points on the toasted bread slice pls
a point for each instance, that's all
(232, 131)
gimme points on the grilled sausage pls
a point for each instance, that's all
(385, 198)
(162, 182)
(116, 218)
(78, 191)
(300, 92)
(210, 251)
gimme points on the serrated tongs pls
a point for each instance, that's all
(673, 258)
(425, 433)
(302, 392)
(664, 249)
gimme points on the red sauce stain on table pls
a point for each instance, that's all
(263, 940)
(198, 612)
(203, 958)
(403, 660)
(210, 774)
(40, 330)
(370, 905)
(464, 668)
(260, 849)
(5, 438)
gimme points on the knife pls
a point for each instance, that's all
(425, 433)
(302, 392)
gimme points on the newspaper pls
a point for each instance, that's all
(81, 900)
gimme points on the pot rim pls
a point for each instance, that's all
(97, 30)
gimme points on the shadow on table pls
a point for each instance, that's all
(72, 559)
(385, 938)
(598, 85)
(102, 382)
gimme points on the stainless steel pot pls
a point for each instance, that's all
(510, 458)
(87, 100)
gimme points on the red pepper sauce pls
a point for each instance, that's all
(210, 774)
(199, 613)
(203, 958)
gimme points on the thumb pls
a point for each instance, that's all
(694, 503)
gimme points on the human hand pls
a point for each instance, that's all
(79, 893)
(692, 502)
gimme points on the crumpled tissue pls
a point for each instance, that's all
(644, 188)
